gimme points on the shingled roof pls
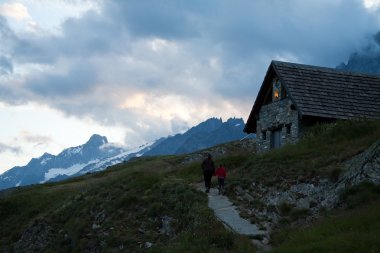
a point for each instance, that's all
(322, 92)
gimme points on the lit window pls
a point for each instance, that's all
(276, 89)
(276, 94)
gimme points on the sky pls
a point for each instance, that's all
(138, 70)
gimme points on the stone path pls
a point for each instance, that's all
(226, 212)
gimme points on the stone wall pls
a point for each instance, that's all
(274, 116)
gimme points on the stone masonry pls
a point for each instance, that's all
(278, 115)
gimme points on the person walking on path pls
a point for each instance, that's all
(208, 168)
(221, 174)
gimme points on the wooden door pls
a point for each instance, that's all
(276, 138)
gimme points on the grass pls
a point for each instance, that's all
(123, 208)
(354, 229)
(351, 231)
(361, 194)
(321, 152)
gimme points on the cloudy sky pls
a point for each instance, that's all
(137, 70)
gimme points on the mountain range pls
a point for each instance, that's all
(207, 134)
(97, 153)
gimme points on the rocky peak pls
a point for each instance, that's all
(366, 60)
(209, 125)
(235, 122)
(96, 140)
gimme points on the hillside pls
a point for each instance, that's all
(149, 204)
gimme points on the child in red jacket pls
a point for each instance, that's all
(221, 173)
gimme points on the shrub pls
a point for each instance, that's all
(299, 213)
(285, 208)
(335, 173)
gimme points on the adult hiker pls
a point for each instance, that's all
(208, 168)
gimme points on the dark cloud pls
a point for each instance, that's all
(7, 38)
(79, 79)
(6, 34)
(210, 54)
(165, 19)
(6, 66)
(12, 94)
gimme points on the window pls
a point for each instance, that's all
(276, 94)
(288, 128)
(276, 90)
(264, 135)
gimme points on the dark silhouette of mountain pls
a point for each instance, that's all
(367, 60)
(207, 134)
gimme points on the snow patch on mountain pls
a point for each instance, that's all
(76, 150)
(55, 172)
(45, 160)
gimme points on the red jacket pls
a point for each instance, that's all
(220, 172)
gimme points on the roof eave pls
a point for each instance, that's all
(250, 127)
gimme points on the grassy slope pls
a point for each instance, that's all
(356, 230)
(129, 201)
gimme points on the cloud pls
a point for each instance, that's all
(165, 19)
(372, 4)
(78, 79)
(10, 148)
(14, 10)
(6, 66)
(178, 125)
(155, 67)
(8, 37)
(34, 139)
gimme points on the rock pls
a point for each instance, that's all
(239, 190)
(100, 217)
(363, 167)
(95, 226)
(148, 245)
(248, 197)
(166, 227)
(35, 238)
(303, 203)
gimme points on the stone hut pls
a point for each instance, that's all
(294, 97)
